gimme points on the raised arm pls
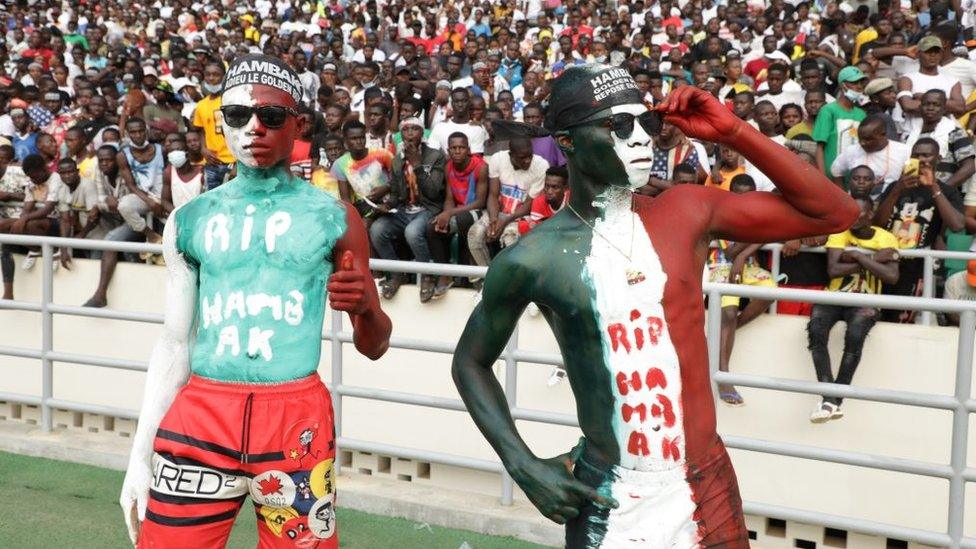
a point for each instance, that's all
(169, 369)
(351, 289)
(809, 204)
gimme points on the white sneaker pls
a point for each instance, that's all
(532, 309)
(825, 412)
(556, 376)
(55, 262)
(30, 261)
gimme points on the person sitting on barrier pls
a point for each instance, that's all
(39, 216)
(76, 200)
(13, 183)
(464, 202)
(917, 209)
(851, 271)
(735, 263)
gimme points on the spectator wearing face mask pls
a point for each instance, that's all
(837, 122)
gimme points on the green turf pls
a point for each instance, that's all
(47, 503)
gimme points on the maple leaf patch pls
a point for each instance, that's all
(270, 485)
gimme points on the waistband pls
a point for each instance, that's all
(715, 453)
(258, 390)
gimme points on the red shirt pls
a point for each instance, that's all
(541, 211)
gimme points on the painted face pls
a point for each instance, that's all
(635, 152)
(256, 145)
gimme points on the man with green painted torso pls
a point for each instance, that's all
(618, 278)
(233, 404)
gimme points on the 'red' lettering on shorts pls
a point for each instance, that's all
(220, 442)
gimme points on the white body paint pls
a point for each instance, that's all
(169, 369)
(656, 502)
(239, 139)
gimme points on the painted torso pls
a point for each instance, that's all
(262, 248)
(635, 352)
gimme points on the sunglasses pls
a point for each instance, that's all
(622, 124)
(271, 116)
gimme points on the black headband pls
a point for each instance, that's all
(265, 70)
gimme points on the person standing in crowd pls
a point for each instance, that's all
(207, 118)
(460, 121)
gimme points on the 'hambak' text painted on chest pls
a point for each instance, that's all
(223, 309)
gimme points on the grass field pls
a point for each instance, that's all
(46, 503)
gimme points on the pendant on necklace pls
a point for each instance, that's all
(634, 276)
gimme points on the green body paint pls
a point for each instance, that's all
(262, 246)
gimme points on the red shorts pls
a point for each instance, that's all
(221, 442)
(796, 307)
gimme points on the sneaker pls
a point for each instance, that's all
(825, 412)
(55, 261)
(30, 260)
(533, 310)
(556, 376)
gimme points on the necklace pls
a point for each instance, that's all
(634, 275)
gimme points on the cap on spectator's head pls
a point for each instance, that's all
(149, 71)
(52, 96)
(971, 272)
(38, 66)
(165, 125)
(778, 56)
(850, 74)
(878, 85)
(412, 121)
(444, 84)
(329, 67)
(544, 33)
(402, 69)
(165, 87)
(17, 112)
(929, 43)
(478, 66)
(733, 54)
(248, 17)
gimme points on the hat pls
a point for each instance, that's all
(929, 43)
(850, 74)
(329, 67)
(878, 85)
(971, 272)
(544, 33)
(478, 66)
(149, 71)
(165, 87)
(402, 69)
(164, 125)
(180, 83)
(17, 112)
(444, 84)
(248, 17)
(582, 91)
(412, 121)
(779, 56)
(52, 96)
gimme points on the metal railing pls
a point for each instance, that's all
(961, 403)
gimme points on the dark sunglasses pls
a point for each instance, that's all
(271, 116)
(622, 124)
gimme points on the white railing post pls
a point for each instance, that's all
(775, 266)
(47, 337)
(928, 287)
(335, 345)
(960, 426)
(511, 396)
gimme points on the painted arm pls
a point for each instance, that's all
(809, 204)
(351, 289)
(548, 483)
(169, 369)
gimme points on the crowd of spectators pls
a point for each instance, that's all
(110, 119)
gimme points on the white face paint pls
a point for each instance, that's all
(636, 152)
(239, 139)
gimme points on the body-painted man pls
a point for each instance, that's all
(233, 404)
(618, 278)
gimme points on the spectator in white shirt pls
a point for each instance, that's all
(885, 157)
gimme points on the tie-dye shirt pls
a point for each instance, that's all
(367, 174)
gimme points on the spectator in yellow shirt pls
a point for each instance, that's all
(207, 118)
